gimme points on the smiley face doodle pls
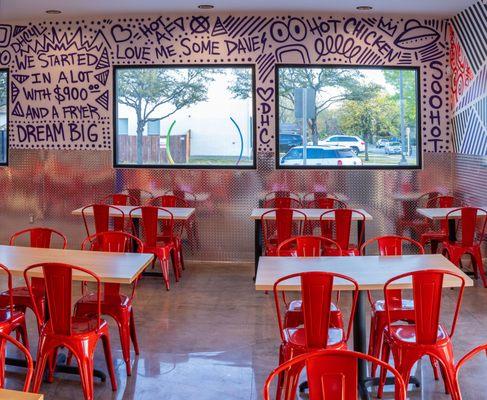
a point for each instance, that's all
(283, 32)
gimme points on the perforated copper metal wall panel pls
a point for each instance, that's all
(49, 184)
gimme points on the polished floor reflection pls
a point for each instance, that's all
(213, 337)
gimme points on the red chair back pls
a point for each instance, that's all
(332, 374)
(427, 291)
(152, 226)
(137, 194)
(336, 225)
(28, 358)
(282, 223)
(309, 246)
(58, 279)
(182, 194)
(282, 202)
(6, 271)
(169, 200)
(326, 203)
(391, 245)
(471, 354)
(471, 225)
(39, 237)
(316, 295)
(113, 242)
(101, 215)
(121, 199)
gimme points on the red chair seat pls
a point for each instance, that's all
(294, 315)
(119, 300)
(10, 319)
(85, 325)
(380, 306)
(404, 335)
(297, 338)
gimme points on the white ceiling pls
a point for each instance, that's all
(24, 9)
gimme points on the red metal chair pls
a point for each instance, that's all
(190, 224)
(313, 196)
(316, 333)
(39, 238)
(436, 236)
(332, 375)
(113, 302)
(410, 219)
(280, 193)
(471, 354)
(12, 319)
(279, 225)
(158, 238)
(107, 218)
(472, 225)
(79, 335)
(120, 199)
(30, 363)
(427, 336)
(389, 246)
(336, 225)
(307, 246)
(169, 200)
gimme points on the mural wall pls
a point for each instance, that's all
(61, 71)
(468, 61)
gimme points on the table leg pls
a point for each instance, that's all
(257, 244)
(360, 238)
(452, 228)
(360, 341)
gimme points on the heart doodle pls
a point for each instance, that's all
(121, 34)
(265, 94)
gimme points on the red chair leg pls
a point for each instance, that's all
(133, 333)
(386, 353)
(109, 360)
(123, 322)
(377, 340)
(165, 271)
(22, 331)
(434, 365)
(52, 365)
(85, 365)
(42, 358)
(3, 348)
(479, 266)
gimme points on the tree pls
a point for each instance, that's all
(147, 90)
(378, 115)
(332, 86)
(409, 93)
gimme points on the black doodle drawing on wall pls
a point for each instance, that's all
(73, 110)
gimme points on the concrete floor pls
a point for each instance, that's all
(214, 337)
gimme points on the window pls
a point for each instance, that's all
(154, 127)
(364, 117)
(3, 116)
(123, 126)
(185, 116)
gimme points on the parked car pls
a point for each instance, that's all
(319, 155)
(353, 142)
(393, 148)
(288, 141)
(381, 143)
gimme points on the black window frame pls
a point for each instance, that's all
(419, 138)
(7, 119)
(252, 166)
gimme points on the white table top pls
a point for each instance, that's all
(110, 267)
(440, 213)
(371, 272)
(407, 196)
(313, 214)
(178, 213)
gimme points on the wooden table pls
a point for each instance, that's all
(370, 272)
(121, 268)
(179, 213)
(312, 214)
(16, 395)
